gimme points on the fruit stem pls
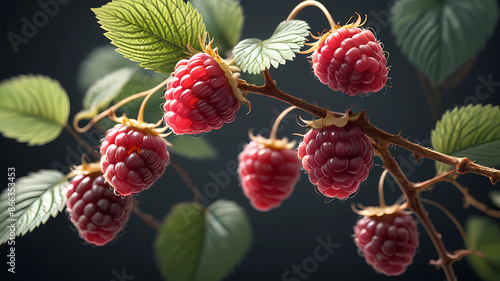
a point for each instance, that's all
(187, 180)
(449, 214)
(140, 115)
(277, 122)
(149, 219)
(83, 143)
(113, 108)
(381, 198)
(317, 4)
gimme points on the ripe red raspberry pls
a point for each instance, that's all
(268, 174)
(337, 159)
(199, 96)
(97, 213)
(132, 158)
(350, 60)
(388, 243)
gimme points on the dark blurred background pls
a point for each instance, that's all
(283, 237)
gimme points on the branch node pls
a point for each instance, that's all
(460, 168)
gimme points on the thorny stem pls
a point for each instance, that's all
(187, 180)
(380, 141)
(307, 3)
(471, 201)
(149, 219)
(441, 177)
(113, 108)
(83, 143)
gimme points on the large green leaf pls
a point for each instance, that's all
(254, 55)
(438, 36)
(37, 197)
(153, 32)
(195, 244)
(484, 234)
(224, 20)
(193, 148)
(33, 109)
(471, 131)
(105, 90)
(99, 63)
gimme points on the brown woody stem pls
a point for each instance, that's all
(149, 219)
(380, 141)
(471, 201)
(187, 180)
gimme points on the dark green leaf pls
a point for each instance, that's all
(37, 196)
(471, 131)
(254, 55)
(33, 109)
(224, 20)
(202, 245)
(439, 36)
(153, 32)
(193, 148)
(484, 235)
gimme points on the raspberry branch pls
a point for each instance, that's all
(469, 200)
(187, 180)
(308, 3)
(462, 165)
(149, 219)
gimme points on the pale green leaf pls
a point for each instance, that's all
(37, 197)
(439, 36)
(33, 109)
(105, 90)
(254, 55)
(224, 20)
(495, 197)
(99, 63)
(193, 148)
(195, 244)
(154, 33)
(483, 235)
(471, 131)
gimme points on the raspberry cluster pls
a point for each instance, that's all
(268, 175)
(132, 159)
(199, 97)
(388, 243)
(350, 60)
(97, 213)
(337, 159)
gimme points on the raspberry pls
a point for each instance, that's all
(199, 96)
(97, 213)
(337, 159)
(349, 60)
(268, 175)
(132, 159)
(388, 243)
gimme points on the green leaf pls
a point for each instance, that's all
(99, 63)
(484, 234)
(33, 109)
(254, 55)
(154, 33)
(193, 148)
(439, 36)
(37, 197)
(224, 20)
(471, 131)
(194, 244)
(105, 90)
(495, 197)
